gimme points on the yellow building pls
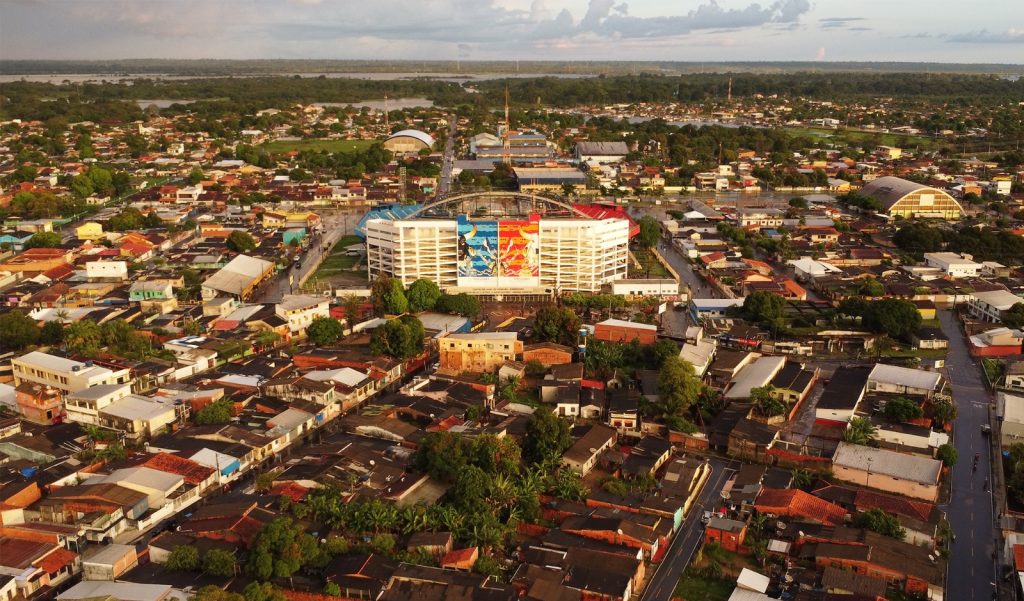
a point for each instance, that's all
(907, 199)
(483, 352)
(89, 230)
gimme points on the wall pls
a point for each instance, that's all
(907, 488)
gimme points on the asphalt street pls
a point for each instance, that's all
(688, 538)
(971, 564)
(448, 161)
(335, 225)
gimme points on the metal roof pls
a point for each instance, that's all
(890, 189)
(413, 133)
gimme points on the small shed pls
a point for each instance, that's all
(108, 562)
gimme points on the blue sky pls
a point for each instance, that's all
(991, 31)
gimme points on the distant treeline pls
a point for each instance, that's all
(29, 100)
(208, 67)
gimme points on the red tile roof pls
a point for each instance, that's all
(193, 472)
(797, 503)
(53, 562)
(60, 272)
(918, 510)
(459, 556)
(295, 492)
(1018, 558)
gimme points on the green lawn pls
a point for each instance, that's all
(698, 588)
(317, 144)
(853, 136)
(648, 263)
(337, 261)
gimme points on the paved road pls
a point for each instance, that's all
(335, 225)
(448, 161)
(971, 570)
(689, 537)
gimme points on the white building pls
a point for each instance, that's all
(84, 406)
(138, 417)
(301, 309)
(651, 287)
(894, 379)
(570, 254)
(64, 374)
(757, 374)
(106, 271)
(989, 306)
(953, 264)
(601, 152)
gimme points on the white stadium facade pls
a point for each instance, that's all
(499, 244)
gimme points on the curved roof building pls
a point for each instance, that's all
(409, 140)
(910, 199)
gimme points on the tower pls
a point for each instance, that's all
(387, 118)
(729, 99)
(506, 144)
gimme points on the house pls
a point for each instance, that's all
(712, 308)
(997, 342)
(301, 309)
(909, 475)
(1014, 378)
(39, 403)
(91, 590)
(989, 306)
(893, 379)
(37, 260)
(239, 278)
(759, 217)
(106, 271)
(84, 406)
(796, 503)
(617, 330)
(145, 290)
(729, 534)
(624, 410)
(754, 375)
(793, 382)
(547, 353)
(842, 396)
(480, 352)
(583, 454)
(108, 562)
(929, 338)
(1010, 409)
(460, 559)
(601, 152)
(955, 265)
(64, 374)
(35, 564)
(90, 230)
(436, 544)
(138, 417)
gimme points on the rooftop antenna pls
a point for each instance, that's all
(506, 144)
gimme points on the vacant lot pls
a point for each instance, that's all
(278, 146)
(698, 588)
(854, 136)
(650, 266)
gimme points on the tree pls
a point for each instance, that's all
(556, 324)
(85, 337)
(332, 589)
(324, 331)
(240, 242)
(398, 338)
(881, 522)
(216, 593)
(217, 412)
(901, 410)
(18, 330)
(763, 306)
(458, 304)
(1012, 317)
(262, 591)
(52, 332)
(944, 411)
(195, 176)
(678, 389)
(279, 549)
(81, 186)
(44, 240)
(388, 297)
(892, 316)
(423, 295)
(802, 478)
(547, 437)
(442, 455)
(352, 306)
(650, 232)
(872, 287)
(765, 403)
(219, 562)
(798, 203)
(948, 454)
(102, 180)
(183, 559)
(860, 431)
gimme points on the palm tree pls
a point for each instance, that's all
(758, 523)
(802, 478)
(859, 431)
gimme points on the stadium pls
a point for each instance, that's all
(496, 244)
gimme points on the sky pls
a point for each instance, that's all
(990, 31)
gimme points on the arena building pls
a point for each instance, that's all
(500, 244)
(907, 199)
(409, 141)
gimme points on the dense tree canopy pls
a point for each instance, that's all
(324, 331)
(388, 296)
(556, 324)
(892, 316)
(881, 522)
(18, 330)
(279, 549)
(458, 304)
(650, 232)
(422, 295)
(547, 437)
(44, 240)
(400, 338)
(241, 242)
